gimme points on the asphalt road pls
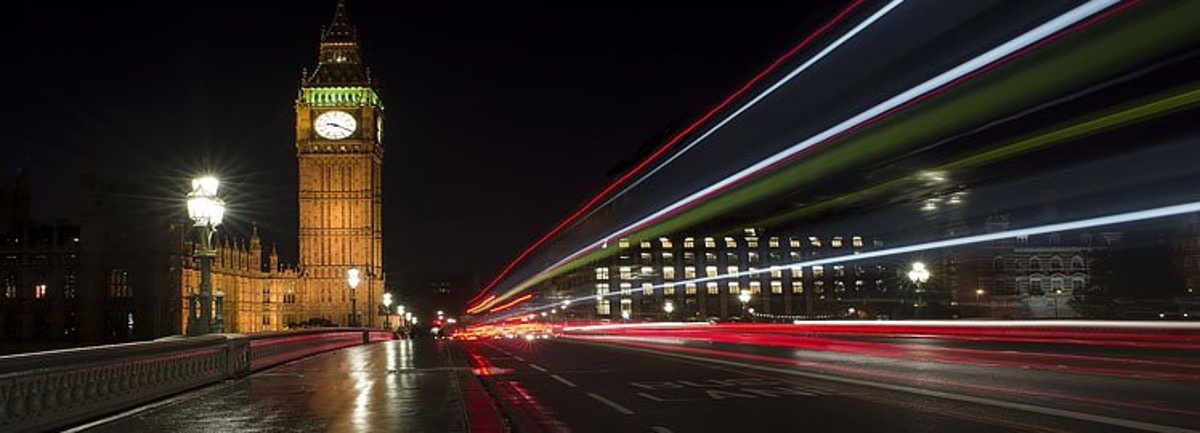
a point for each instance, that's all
(671, 385)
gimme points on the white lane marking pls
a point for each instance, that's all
(610, 403)
(660, 429)
(518, 358)
(564, 381)
(939, 394)
(538, 368)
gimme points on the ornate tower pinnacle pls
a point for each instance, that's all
(339, 62)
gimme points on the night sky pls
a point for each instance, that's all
(502, 117)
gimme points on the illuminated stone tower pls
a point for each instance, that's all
(339, 145)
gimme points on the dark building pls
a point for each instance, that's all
(641, 275)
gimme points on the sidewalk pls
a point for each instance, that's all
(404, 386)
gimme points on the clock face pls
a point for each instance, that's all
(335, 125)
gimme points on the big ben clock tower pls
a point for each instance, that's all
(339, 147)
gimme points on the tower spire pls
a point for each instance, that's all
(339, 62)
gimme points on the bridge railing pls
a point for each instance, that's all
(49, 390)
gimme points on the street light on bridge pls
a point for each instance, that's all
(919, 275)
(207, 211)
(387, 306)
(353, 280)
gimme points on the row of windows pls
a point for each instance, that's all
(39, 290)
(689, 272)
(732, 287)
(1035, 263)
(750, 242)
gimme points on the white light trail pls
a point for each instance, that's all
(820, 55)
(1128, 217)
(1043, 31)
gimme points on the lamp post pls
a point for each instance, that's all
(387, 306)
(978, 295)
(1057, 294)
(919, 275)
(352, 279)
(669, 307)
(207, 211)
(745, 298)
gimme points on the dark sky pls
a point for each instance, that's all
(502, 117)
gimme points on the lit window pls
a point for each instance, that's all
(776, 272)
(666, 243)
(735, 288)
(646, 271)
(755, 287)
(690, 288)
(603, 307)
(602, 273)
(797, 287)
(645, 244)
(818, 271)
(689, 243)
(752, 257)
(623, 243)
(815, 241)
(858, 285)
(752, 242)
(798, 272)
(776, 287)
(794, 255)
(710, 243)
(773, 242)
(710, 257)
(836, 242)
(647, 289)
(668, 272)
(712, 288)
(710, 271)
(689, 272)
(689, 257)
(626, 273)
(626, 289)
(839, 271)
(646, 257)
(39, 291)
(668, 256)
(856, 241)
(601, 289)
(794, 243)
(731, 269)
(750, 232)
(730, 242)
(669, 289)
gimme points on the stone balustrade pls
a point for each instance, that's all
(51, 390)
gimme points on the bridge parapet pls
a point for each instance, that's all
(48, 390)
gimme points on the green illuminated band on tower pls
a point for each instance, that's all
(340, 96)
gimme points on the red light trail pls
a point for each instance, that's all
(662, 149)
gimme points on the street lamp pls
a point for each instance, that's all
(207, 211)
(669, 307)
(352, 278)
(1057, 293)
(978, 303)
(387, 306)
(919, 275)
(745, 298)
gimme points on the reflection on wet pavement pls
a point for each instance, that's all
(403, 385)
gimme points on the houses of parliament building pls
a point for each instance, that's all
(125, 271)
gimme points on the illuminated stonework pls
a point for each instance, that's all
(340, 183)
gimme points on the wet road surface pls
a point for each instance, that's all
(393, 386)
